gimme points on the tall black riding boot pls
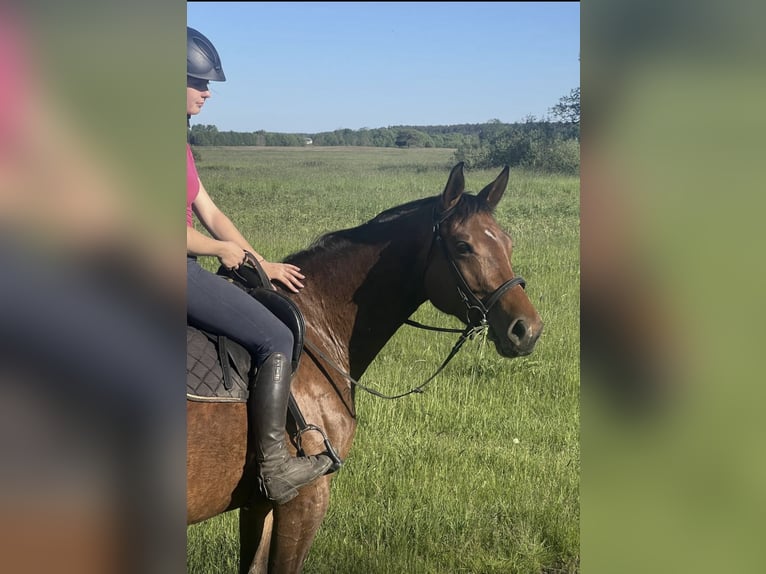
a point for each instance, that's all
(280, 475)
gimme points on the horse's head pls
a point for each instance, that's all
(469, 272)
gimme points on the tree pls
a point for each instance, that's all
(203, 134)
(568, 108)
(410, 137)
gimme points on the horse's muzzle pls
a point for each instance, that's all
(521, 337)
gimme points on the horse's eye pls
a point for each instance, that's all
(463, 248)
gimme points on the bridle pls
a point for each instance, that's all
(476, 312)
(480, 309)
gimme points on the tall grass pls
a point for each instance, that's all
(481, 473)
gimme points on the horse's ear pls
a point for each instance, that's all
(495, 190)
(454, 188)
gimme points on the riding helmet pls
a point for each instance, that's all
(202, 60)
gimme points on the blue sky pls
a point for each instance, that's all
(308, 67)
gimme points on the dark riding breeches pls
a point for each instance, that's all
(220, 307)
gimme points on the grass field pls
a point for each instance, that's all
(481, 473)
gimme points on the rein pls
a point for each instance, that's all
(468, 333)
(480, 309)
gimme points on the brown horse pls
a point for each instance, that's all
(363, 284)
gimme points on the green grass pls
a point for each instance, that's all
(435, 483)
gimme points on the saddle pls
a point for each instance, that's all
(219, 369)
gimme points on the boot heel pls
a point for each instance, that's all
(270, 490)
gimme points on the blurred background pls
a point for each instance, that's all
(92, 437)
(672, 273)
(92, 288)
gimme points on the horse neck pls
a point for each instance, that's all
(358, 294)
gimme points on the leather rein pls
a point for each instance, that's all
(476, 315)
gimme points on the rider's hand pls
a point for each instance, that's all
(231, 255)
(288, 275)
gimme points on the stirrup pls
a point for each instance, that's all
(329, 452)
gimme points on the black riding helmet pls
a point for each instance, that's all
(202, 60)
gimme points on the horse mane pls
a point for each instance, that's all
(379, 227)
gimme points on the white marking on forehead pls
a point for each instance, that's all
(488, 232)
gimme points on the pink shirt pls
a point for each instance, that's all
(192, 185)
(13, 83)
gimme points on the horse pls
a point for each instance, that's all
(364, 283)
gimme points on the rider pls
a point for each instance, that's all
(220, 307)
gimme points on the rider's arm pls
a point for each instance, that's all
(220, 227)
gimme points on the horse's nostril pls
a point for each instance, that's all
(518, 330)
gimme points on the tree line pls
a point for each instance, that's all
(395, 136)
(551, 145)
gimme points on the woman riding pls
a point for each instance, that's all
(216, 305)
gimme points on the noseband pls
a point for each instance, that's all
(476, 309)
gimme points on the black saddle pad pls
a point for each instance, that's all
(204, 374)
